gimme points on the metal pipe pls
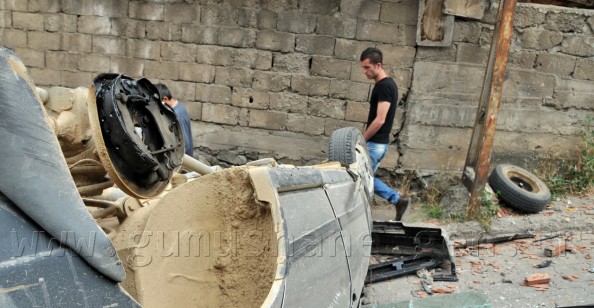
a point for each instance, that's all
(195, 165)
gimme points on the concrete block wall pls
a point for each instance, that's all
(547, 96)
(259, 78)
(264, 78)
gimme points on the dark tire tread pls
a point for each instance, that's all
(514, 196)
(343, 143)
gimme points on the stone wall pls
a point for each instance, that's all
(274, 78)
(547, 95)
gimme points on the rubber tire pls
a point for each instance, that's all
(343, 148)
(343, 144)
(515, 196)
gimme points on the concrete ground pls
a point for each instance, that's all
(498, 271)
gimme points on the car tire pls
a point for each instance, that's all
(519, 189)
(348, 146)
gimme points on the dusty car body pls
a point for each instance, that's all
(262, 234)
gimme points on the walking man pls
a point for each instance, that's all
(384, 99)
(182, 116)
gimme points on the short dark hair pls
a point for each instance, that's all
(163, 90)
(373, 54)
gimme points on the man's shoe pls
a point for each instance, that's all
(401, 206)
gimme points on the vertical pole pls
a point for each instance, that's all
(478, 159)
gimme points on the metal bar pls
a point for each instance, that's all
(478, 159)
(195, 165)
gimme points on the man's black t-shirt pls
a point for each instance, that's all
(384, 90)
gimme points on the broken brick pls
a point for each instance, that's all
(555, 251)
(537, 279)
(441, 290)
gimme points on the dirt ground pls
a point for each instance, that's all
(499, 270)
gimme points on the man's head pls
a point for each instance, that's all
(371, 63)
(165, 94)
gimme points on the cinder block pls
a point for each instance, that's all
(75, 79)
(94, 25)
(357, 112)
(194, 110)
(237, 37)
(43, 40)
(275, 41)
(197, 73)
(466, 32)
(184, 91)
(402, 77)
(302, 123)
(558, 64)
(234, 77)
(249, 98)
(268, 119)
(337, 26)
(472, 54)
(75, 42)
(144, 49)
(330, 125)
(199, 34)
(327, 7)
(315, 44)
(31, 57)
(432, 54)
(109, 45)
(364, 9)
(13, 38)
(27, 21)
(77, 7)
(401, 12)
(161, 70)
(292, 63)
(574, 45)
(527, 84)
(44, 76)
(182, 13)
(145, 11)
(5, 19)
(224, 16)
(60, 23)
(13, 5)
(326, 107)
(222, 114)
(540, 39)
(93, 63)
(214, 55)
(296, 22)
(522, 59)
(526, 16)
(565, 21)
(447, 79)
(330, 67)
(178, 52)
(288, 102)
(349, 90)
(210, 93)
(271, 81)
(281, 5)
(129, 66)
(350, 49)
(398, 56)
(380, 32)
(163, 31)
(252, 58)
(390, 162)
(125, 27)
(584, 69)
(110, 8)
(61, 60)
(310, 85)
(267, 19)
(572, 93)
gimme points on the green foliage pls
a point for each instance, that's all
(573, 177)
(433, 210)
(489, 208)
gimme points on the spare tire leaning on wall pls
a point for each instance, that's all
(519, 188)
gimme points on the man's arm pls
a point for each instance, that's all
(380, 119)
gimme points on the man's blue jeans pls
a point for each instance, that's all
(377, 152)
